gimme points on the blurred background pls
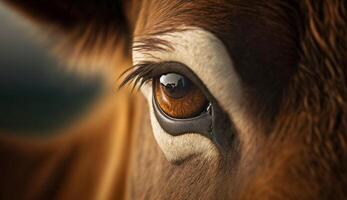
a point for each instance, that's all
(36, 95)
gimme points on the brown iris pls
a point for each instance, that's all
(178, 97)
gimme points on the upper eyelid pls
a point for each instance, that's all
(144, 72)
(141, 73)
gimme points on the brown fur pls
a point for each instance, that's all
(291, 58)
(311, 128)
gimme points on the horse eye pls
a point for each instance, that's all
(178, 97)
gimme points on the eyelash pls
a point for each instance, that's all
(139, 75)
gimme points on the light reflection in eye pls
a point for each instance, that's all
(178, 97)
(175, 85)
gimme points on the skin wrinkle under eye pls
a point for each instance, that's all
(207, 57)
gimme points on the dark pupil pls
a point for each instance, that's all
(175, 85)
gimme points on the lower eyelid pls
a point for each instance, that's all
(175, 127)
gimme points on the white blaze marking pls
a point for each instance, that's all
(208, 58)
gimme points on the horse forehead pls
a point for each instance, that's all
(215, 16)
(157, 16)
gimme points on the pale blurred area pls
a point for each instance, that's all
(36, 95)
(62, 135)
